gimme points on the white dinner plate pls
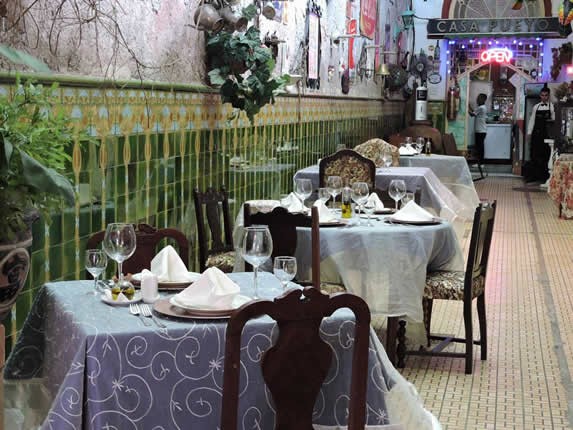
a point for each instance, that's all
(110, 301)
(238, 301)
(192, 275)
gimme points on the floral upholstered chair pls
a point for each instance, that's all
(350, 166)
(373, 148)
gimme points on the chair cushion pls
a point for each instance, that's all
(330, 287)
(445, 285)
(225, 261)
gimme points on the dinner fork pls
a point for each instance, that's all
(134, 310)
(146, 311)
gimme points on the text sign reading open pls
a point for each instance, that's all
(496, 55)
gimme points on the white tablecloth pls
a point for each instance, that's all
(385, 264)
(454, 173)
(434, 194)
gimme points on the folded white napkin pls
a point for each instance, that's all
(324, 214)
(413, 212)
(407, 150)
(213, 290)
(292, 203)
(373, 199)
(168, 266)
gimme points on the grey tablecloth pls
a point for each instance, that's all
(105, 369)
(434, 194)
(454, 173)
(385, 264)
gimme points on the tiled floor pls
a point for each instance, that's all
(526, 381)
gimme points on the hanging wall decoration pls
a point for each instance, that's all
(313, 44)
(368, 17)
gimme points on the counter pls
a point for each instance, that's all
(497, 144)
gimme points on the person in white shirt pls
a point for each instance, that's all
(480, 127)
(537, 131)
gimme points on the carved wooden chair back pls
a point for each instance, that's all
(295, 367)
(282, 226)
(148, 240)
(214, 227)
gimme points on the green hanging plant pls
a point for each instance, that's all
(242, 68)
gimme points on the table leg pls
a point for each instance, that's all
(401, 348)
(391, 330)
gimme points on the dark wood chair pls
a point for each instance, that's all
(350, 166)
(282, 225)
(426, 131)
(465, 286)
(214, 220)
(295, 367)
(148, 240)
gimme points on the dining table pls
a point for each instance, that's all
(452, 170)
(104, 368)
(434, 194)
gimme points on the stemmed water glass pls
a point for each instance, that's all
(359, 195)
(119, 244)
(284, 269)
(323, 194)
(420, 143)
(369, 207)
(302, 189)
(397, 190)
(95, 263)
(257, 247)
(386, 157)
(334, 187)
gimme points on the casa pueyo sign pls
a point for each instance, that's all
(547, 27)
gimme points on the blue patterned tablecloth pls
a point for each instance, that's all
(105, 370)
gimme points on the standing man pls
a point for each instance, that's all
(480, 126)
(537, 131)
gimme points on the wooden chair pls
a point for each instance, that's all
(148, 239)
(428, 132)
(295, 367)
(282, 225)
(465, 286)
(215, 250)
(350, 166)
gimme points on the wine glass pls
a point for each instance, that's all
(119, 244)
(284, 269)
(95, 263)
(396, 190)
(369, 208)
(420, 143)
(334, 187)
(257, 247)
(302, 189)
(408, 197)
(359, 195)
(323, 194)
(386, 157)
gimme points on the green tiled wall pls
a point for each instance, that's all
(154, 145)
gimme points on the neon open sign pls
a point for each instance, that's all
(497, 55)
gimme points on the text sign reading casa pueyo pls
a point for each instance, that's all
(496, 55)
(542, 27)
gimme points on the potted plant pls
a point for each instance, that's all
(33, 154)
(242, 67)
